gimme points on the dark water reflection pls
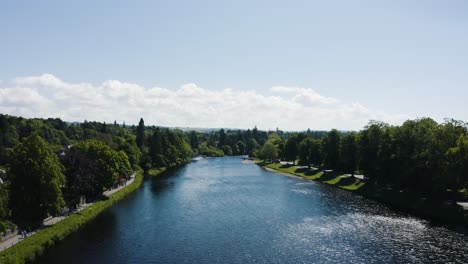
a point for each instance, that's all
(222, 211)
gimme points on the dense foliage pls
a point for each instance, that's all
(28, 249)
(231, 142)
(217, 143)
(420, 156)
(36, 181)
(48, 166)
(91, 168)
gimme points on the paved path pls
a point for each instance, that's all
(110, 192)
(47, 222)
(13, 240)
(53, 220)
(463, 205)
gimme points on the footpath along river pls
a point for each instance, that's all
(220, 210)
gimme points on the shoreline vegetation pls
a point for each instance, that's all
(73, 164)
(28, 249)
(435, 210)
(420, 167)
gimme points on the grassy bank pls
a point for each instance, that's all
(338, 180)
(154, 172)
(28, 249)
(436, 210)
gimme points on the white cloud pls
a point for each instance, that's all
(289, 108)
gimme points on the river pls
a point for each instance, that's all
(220, 210)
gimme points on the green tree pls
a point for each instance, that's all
(193, 140)
(242, 147)
(4, 208)
(291, 148)
(156, 149)
(418, 155)
(107, 161)
(222, 138)
(125, 169)
(268, 151)
(36, 181)
(309, 152)
(304, 152)
(227, 150)
(130, 148)
(331, 149)
(252, 145)
(348, 153)
(456, 171)
(369, 144)
(80, 172)
(140, 134)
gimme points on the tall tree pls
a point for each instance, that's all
(193, 140)
(36, 181)
(331, 149)
(309, 152)
(80, 171)
(140, 134)
(222, 138)
(156, 148)
(348, 153)
(369, 145)
(291, 149)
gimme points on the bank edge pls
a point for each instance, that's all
(28, 250)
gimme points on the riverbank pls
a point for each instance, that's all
(437, 211)
(155, 172)
(343, 181)
(28, 249)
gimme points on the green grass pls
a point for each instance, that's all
(294, 170)
(154, 172)
(333, 181)
(349, 184)
(357, 184)
(408, 202)
(314, 177)
(27, 250)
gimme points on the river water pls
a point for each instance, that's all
(220, 210)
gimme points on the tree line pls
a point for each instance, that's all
(48, 165)
(419, 156)
(227, 142)
(72, 161)
(221, 142)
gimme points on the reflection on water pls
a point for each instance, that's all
(223, 211)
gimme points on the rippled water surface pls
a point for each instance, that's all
(223, 211)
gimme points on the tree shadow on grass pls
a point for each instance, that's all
(347, 181)
(306, 171)
(301, 170)
(328, 176)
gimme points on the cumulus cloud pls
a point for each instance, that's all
(289, 108)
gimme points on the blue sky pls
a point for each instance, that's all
(397, 58)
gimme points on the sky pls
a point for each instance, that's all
(235, 64)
